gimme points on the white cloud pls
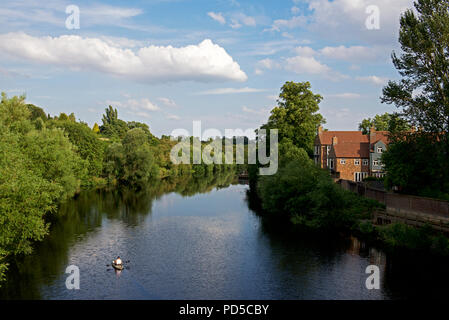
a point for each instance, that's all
(308, 65)
(203, 62)
(168, 102)
(217, 17)
(294, 22)
(240, 19)
(346, 95)
(295, 10)
(305, 51)
(354, 53)
(267, 63)
(261, 112)
(380, 81)
(230, 91)
(143, 104)
(173, 117)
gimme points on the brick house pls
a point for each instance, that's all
(350, 161)
(325, 140)
(350, 155)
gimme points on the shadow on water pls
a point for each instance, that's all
(404, 274)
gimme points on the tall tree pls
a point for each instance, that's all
(113, 127)
(296, 116)
(423, 96)
(423, 91)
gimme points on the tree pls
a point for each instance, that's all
(296, 116)
(423, 96)
(139, 161)
(89, 147)
(112, 126)
(96, 128)
(423, 91)
(36, 112)
(385, 122)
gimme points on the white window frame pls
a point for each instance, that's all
(359, 176)
(331, 163)
(365, 162)
(328, 148)
(376, 163)
(357, 162)
(381, 150)
(343, 161)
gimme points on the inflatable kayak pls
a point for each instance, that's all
(117, 266)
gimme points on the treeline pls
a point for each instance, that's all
(45, 160)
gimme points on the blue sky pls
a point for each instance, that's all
(170, 62)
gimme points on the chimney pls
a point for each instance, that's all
(372, 134)
(334, 141)
(320, 129)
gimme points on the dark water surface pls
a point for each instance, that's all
(202, 246)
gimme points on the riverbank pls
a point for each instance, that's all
(305, 196)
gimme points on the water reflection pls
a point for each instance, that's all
(202, 239)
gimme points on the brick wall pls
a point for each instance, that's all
(347, 170)
(399, 202)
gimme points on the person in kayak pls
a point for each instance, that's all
(118, 261)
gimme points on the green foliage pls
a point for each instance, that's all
(36, 112)
(55, 159)
(417, 164)
(385, 122)
(423, 91)
(112, 126)
(96, 128)
(297, 117)
(306, 195)
(89, 147)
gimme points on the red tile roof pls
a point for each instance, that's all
(325, 137)
(351, 150)
(379, 136)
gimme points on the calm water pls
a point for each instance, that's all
(208, 245)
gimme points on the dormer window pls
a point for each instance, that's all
(379, 150)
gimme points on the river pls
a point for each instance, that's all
(202, 243)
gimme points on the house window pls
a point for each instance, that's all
(317, 150)
(342, 161)
(365, 162)
(328, 149)
(377, 163)
(331, 163)
(359, 176)
(379, 150)
(357, 162)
